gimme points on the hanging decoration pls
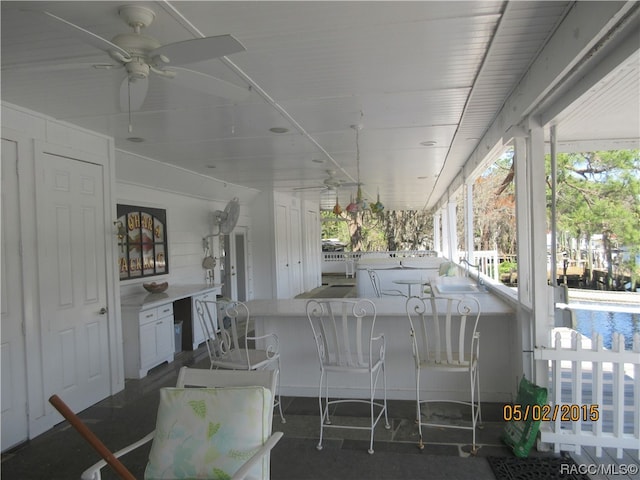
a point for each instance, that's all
(337, 209)
(359, 204)
(377, 207)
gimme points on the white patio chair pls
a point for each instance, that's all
(235, 345)
(213, 421)
(444, 338)
(375, 282)
(347, 344)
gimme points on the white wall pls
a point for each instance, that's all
(189, 199)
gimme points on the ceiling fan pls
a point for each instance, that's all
(142, 55)
(329, 183)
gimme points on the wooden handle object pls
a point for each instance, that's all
(90, 437)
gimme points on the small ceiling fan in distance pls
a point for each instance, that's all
(329, 183)
(142, 55)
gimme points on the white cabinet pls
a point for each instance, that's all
(288, 225)
(198, 333)
(148, 338)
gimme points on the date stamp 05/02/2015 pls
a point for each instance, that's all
(567, 412)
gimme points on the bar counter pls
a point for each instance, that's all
(300, 368)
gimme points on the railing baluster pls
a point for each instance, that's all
(603, 434)
(598, 389)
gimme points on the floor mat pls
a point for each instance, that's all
(538, 468)
(334, 291)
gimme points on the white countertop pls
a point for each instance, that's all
(145, 299)
(387, 306)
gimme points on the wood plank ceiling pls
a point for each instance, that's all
(424, 79)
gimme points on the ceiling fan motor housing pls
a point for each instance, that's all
(137, 16)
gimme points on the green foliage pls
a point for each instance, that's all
(507, 267)
(599, 192)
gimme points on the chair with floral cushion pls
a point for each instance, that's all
(213, 424)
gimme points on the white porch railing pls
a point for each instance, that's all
(594, 394)
(336, 262)
(486, 261)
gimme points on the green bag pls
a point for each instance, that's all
(521, 435)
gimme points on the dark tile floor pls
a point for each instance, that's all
(123, 418)
(129, 415)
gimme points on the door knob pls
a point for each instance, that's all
(103, 310)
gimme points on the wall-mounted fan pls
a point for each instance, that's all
(329, 183)
(226, 219)
(141, 55)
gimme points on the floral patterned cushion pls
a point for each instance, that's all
(208, 433)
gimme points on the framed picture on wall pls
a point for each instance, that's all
(142, 242)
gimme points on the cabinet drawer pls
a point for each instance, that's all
(147, 316)
(165, 310)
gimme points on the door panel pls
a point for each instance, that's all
(283, 285)
(12, 349)
(72, 264)
(296, 253)
(240, 247)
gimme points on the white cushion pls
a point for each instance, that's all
(207, 433)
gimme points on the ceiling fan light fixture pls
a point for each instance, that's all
(328, 198)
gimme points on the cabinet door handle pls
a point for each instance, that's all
(149, 315)
(159, 323)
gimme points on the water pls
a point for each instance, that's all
(606, 322)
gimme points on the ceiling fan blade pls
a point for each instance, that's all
(87, 36)
(317, 187)
(199, 49)
(204, 83)
(58, 67)
(133, 93)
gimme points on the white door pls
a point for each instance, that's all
(235, 266)
(283, 287)
(297, 286)
(240, 259)
(312, 251)
(72, 279)
(14, 376)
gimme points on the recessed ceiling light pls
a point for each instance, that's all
(424, 177)
(136, 139)
(317, 160)
(211, 166)
(279, 130)
(472, 139)
(428, 143)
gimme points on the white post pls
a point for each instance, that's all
(437, 241)
(523, 232)
(445, 233)
(542, 293)
(468, 222)
(452, 231)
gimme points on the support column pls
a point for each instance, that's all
(452, 235)
(524, 325)
(437, 239)
(468, 223)
(446, 252)
(542, 293)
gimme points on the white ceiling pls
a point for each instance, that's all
(409, 72)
